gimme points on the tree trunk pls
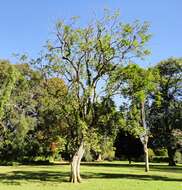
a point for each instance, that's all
(75, 165)
(171, 154)
(146, 153)
(129, 161)
(99, 158)
(145, 137)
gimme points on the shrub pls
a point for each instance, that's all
(151, 154)
(178, 157)
(161, 152)
(108, 155)
(158, 159)
(108, 151)
(88, 157)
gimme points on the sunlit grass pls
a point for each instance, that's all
(96, 176)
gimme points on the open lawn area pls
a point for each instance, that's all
(97, 176)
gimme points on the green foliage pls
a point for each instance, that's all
(160, 159)
(32, 122)
(18, 113)
(135, 84)
(9, 76)
(88, 156)
(133, 122)
(50, 130)
(83, 57)
(108, 151)
(151, 154)
(178, 157)
(52, 104)
(165, 112)
(161, 152)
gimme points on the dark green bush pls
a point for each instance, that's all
(161, 152)
(158, 159)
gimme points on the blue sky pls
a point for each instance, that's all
(26, 25)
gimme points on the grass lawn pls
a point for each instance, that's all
(97, 176)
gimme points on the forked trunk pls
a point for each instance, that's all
(75, 165)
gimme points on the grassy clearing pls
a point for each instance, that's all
(97, 176)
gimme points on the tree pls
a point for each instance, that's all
(48, 134)
(31, 119)
(85, 57)
(8, 79)
(127, 145)
(135, 84)
(106, 124)
(18, 116)
(166, 109)
(40, 99)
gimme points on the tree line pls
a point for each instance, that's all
(63, 101)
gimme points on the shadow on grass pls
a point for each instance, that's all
(41, 176)
(153, 167)
(131, 176)
(16, 177)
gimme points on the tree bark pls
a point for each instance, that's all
(99, 158)
(171, 154)
(75, 165)
(145, 137)
(145, 143)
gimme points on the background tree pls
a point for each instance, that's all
(32, 122)
(128, 147)
(106, 124)
(166, 109)
(135, 84)
(8, 79)
(48, 134)
(18, 114)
